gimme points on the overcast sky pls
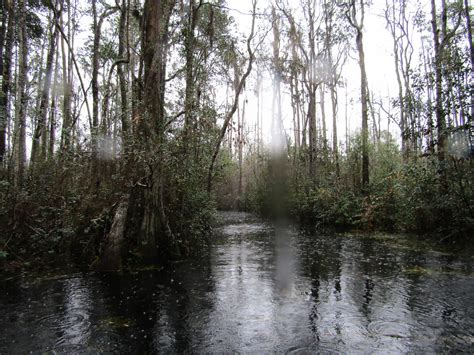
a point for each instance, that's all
(378, 45)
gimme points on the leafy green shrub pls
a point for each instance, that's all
(192, 225)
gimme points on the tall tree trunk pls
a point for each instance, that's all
(471, 48)
(241, 147)
(298, 113)
(259, 99)
(357, 22)
(231, 124)
(294, 110)
(334, 130)
(95, 89)
(312, 87)
(67, 92)
(336, 66)
(323, 120)
(402, 50)
(347, 122)
(21, 98)
(429, 104)
(365, 119)
(124, 55)
(155, 37)
(97, 22)
(8, 9)
(3, 97)
(294, 85)
(240, 86)
(3, 101)
(190, 99)
(439, 47)
(402, 122)
(304, 116)
(135, 84)
(36, 156)
(312, 131)
(52, 113)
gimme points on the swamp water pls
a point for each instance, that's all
(259, 288)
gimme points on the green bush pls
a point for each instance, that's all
(403, 195)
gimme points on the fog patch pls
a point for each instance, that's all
(458, 144)
(107, 149)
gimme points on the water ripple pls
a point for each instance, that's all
(393, 329)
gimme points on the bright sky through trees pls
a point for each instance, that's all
(378, 45)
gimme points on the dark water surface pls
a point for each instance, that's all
(260, 288)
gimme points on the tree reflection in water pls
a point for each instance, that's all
(258, 288)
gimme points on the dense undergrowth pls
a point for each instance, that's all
(62, 217)
(404, 195)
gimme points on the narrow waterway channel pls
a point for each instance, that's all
(260, 288)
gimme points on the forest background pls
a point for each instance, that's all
(125, 124)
